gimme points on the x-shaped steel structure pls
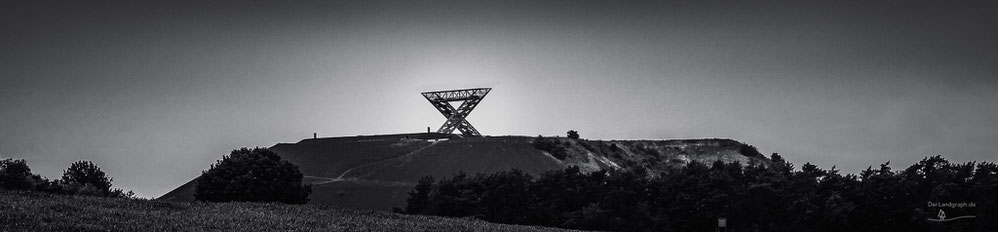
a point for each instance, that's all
(456, 117)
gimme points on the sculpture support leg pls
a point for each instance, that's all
(456, 118)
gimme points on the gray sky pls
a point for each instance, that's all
(155, 93)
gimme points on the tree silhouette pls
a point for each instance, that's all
(87, 174)
(15, 174)
(256, 175)
(757, 197)
(419, 197)
(573, 134)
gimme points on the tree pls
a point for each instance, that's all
(551, 146)
(573, 134)
(87, 173)
(15, 174)
(749, 150)
(419, 198)
(256, 175)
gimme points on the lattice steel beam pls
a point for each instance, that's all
(456, 117)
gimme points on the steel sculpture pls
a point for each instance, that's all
(456, 117)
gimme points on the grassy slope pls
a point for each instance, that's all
(31, 211)
(383, 185)
(383, 168)
(332, 158)
(383, 172)
(472, 155)
(329, 157)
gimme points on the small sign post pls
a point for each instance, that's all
(722, 224)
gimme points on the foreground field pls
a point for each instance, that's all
(30, 211)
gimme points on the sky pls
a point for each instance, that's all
(154, 93)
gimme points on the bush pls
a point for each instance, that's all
(551, 146)
(15, 174)
(86, 173)
(749, 150)
(256, 175)
(573, 134)
(560, 153)
(419, 197)
(81, 178)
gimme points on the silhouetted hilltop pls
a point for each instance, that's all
(376, 172)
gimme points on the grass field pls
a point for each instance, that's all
(32, 211)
